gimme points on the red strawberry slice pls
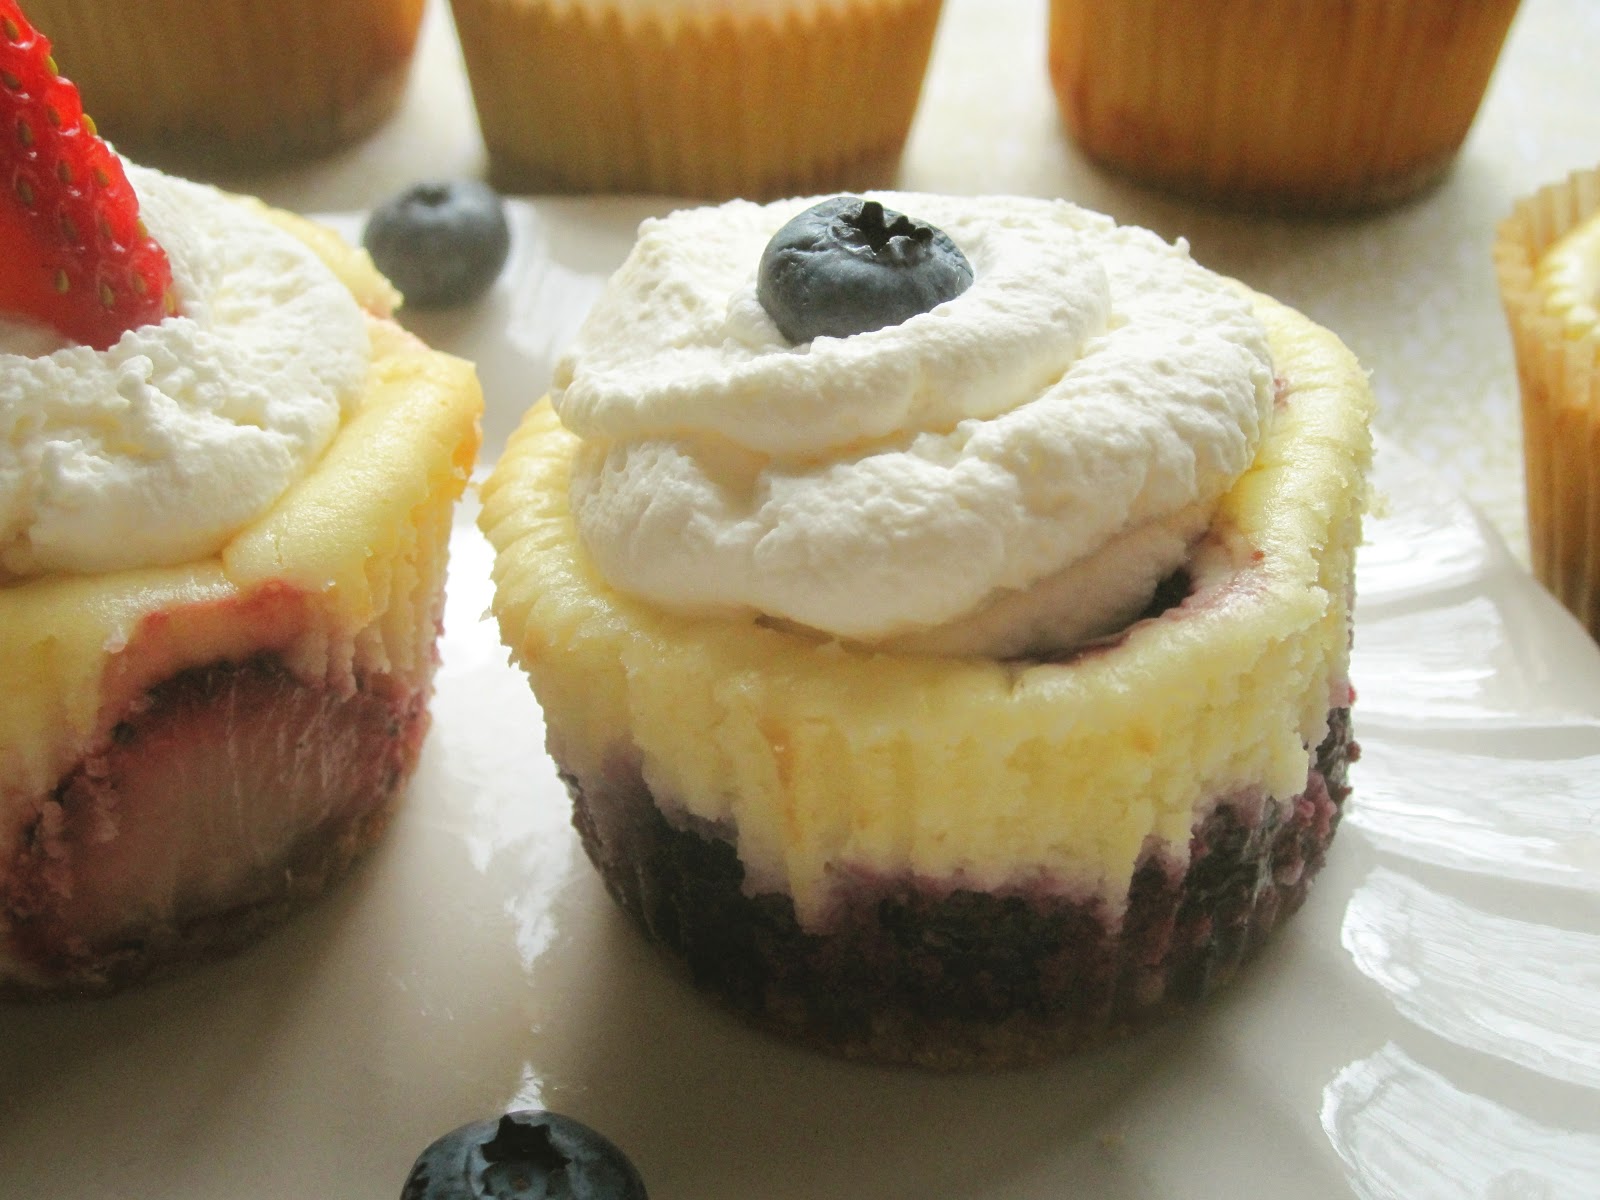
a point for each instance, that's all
(230, 794)
(77, 257)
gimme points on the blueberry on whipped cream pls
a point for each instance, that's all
(849, 266)
(1061, 432)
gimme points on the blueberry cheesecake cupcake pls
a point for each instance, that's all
(1547, 256)
(940, 610)
(226, 491)
(708, 98)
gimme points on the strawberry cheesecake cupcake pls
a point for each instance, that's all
(226, 486)
(940, 610)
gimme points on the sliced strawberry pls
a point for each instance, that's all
(229, 794)
(77, 256)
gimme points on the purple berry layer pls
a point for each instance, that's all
(908, 971)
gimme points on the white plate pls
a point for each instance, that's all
(1428, 1026)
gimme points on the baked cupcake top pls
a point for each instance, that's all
(1015, 469)
(159, 448)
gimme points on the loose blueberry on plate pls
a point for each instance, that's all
(441, 243)
(848, 266)
(524, 1155)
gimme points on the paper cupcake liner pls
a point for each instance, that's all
(190, 81)
(1262, 104)
(1558, 371)
(808, 98)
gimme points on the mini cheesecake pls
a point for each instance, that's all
(958, 860)
(188, 752)
(1547, 256)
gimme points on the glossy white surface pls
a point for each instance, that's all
(1428, 1026)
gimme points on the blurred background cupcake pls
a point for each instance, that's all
(1281, 105)
(1547, 257)
(708, 98)
(193, 83)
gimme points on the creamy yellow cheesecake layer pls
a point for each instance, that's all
(1568, 276)
(816, 757)
(342, 574)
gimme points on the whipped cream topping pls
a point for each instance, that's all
(1015, 470)
(159, 449)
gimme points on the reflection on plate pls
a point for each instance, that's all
(1429, 1025)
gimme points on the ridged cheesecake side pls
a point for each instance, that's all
(316, 624)
(819, 766)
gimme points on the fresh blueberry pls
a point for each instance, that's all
(524, 1155)
(850, 265)
(441, 243)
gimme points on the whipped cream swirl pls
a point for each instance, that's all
(1015, 470)
(159, 449)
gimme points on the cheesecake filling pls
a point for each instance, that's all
(1014, 471)
(1568, 278)
(160, 448)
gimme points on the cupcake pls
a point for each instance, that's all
(190, 83)
(226, 492)
(942, 627)
(716, 99)
(1547, 256)
(1260, 104)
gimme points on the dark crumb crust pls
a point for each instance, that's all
(908, 972)
(359, 748)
